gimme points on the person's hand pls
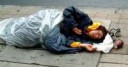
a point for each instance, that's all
(77, 31)
(88, 47)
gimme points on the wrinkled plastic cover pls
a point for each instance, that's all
(31, 30)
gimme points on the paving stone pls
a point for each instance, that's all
(123, 27)
(30, 9)
(88, 9)
(2, 41)
(8, 11)
(9, 64)
(104, 18)
(95, 10)
(114, 58)
(124, 32)
(19, 10)
(45, 58)
(122, 50)
(2, 47)
(12, 16)
(113, 20)
(112, 65)
(124, 15)
(113, 25)
(124, 11)
(91, 14)
(123, 21)
(114, 15)
(102, 14)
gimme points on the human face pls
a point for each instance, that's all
(95, 34)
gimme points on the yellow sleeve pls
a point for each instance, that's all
(75, 44)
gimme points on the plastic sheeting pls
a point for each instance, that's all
(31, 30)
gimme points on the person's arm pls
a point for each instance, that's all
(77, 44)
(88, 47)
(73, 17)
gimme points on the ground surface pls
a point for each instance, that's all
(15, 57)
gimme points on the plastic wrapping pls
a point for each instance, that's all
(31, 30)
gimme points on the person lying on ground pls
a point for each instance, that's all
(77, 26)
(41, 28)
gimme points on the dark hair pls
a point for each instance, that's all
(104, 30)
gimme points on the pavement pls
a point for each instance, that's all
(16, 57)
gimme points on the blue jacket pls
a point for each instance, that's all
(57, 42)
(73, 17)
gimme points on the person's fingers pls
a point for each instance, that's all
(93, 49)
(77, 31)
(90, 48)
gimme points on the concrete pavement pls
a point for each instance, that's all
(15, 57)
(120, 4)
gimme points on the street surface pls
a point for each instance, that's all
(120, 4)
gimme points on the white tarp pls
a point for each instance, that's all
(28, 31)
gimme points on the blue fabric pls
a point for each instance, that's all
(60, 42)
(73, 17)
(56, 43)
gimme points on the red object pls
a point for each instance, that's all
(118, 44)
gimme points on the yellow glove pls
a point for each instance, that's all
(75, 44)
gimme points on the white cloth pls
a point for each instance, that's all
(106, 45)
(28, 31)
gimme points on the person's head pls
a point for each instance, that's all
(96, 31)
(118, 44)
